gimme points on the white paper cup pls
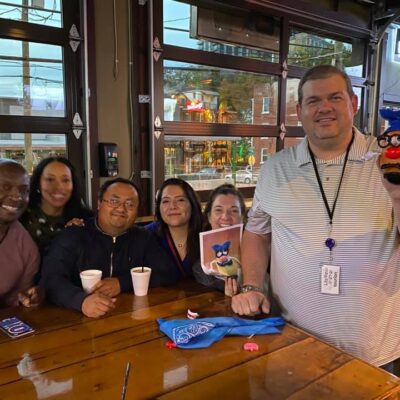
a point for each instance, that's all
(89, 278)
(140, 280)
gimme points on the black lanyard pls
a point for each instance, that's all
(329, 211)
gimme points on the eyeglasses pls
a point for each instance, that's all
(115, 203)
(386, 140)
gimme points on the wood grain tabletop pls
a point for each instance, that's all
(73, 357)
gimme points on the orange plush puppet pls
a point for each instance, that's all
(389, 141)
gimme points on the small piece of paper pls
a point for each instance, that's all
(330, 276)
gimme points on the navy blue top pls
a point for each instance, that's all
(183, 268)
(78, 248)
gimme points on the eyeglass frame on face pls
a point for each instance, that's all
(115, 203)
(387, 140)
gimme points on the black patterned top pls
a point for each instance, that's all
(44, 227)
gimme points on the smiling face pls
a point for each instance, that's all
(225, 211)
(56, 188)
(116, 220)
(14, 192)
(175, 208)
(327, 112)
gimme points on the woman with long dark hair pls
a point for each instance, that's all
(225, 207)
(178, 224)
(54, 201)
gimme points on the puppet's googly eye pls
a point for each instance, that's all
(219, 253)
(225, 252)
(395, 140)
(383, 141)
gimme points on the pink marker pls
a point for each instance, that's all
(250, 346)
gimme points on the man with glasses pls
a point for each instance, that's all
(328, 223)
(110, 243)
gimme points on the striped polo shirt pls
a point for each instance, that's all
(364, 318)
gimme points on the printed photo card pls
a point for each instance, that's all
(220, 251)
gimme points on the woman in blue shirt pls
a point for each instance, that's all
(179, 221)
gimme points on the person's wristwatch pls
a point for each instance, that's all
(250, 288)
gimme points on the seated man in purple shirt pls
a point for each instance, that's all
(19, 256)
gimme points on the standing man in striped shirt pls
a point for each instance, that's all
(324, 219)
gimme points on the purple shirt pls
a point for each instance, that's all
(19, 262)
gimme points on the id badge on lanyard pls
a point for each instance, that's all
(330, 279)
(330, 274)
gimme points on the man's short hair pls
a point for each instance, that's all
(107, 184)
(8, 161)
(323, 72)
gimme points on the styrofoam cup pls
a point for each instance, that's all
(140, 280)
(89, 278)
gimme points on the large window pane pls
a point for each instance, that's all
(43, 12)
(209, 94)
(308, 49)
(207, 162)
(291, 101)
(246, 35)
(29, 149)
(31, 79)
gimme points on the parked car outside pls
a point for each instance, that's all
(242, 176)
(202, 174)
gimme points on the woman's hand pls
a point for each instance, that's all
(231, 286)
(75, 222)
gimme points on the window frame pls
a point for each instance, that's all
(265, 105)
(73, 82)
(329, 24)
(263, 156)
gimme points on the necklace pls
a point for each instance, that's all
(330, 242)
(180, 245)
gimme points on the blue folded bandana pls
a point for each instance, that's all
(203, 332)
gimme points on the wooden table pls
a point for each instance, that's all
(73, 357)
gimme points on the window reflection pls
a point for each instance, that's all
(357, 117)
(45, 387)
(308, 50)
(245, 35)
(43, 12)
(31, 79)
(29, 149)
(207, 162)
(195, 93)
(291, 101)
